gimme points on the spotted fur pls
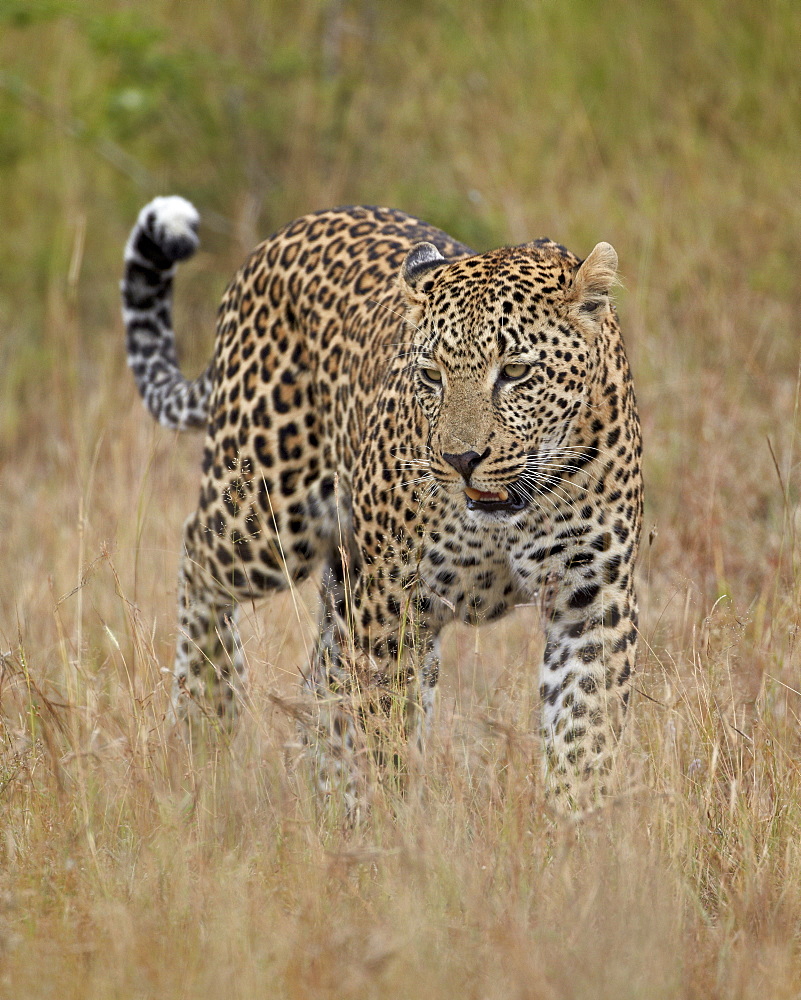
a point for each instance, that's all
(447, 434)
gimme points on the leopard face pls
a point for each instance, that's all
(503, 362)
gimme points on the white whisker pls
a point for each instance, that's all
(395, 312)
(410, 482)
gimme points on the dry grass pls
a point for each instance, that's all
(129, 869)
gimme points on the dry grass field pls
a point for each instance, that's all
(130, 869)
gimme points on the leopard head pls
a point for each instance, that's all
(504, 354)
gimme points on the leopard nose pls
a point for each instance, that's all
(466, 462)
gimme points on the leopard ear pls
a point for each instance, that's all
(593, 282)
(417, 269)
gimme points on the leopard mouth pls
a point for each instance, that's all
(502, 501)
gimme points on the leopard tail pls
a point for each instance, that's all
(165, 233)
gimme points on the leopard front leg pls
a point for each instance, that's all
(331, 733)
(585, 683)
(374, 681)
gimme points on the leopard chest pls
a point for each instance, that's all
(465, 567)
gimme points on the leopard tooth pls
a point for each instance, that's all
(491, 496)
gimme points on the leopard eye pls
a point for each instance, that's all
(515, 370)
(432, 375)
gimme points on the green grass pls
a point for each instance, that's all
(128, 869)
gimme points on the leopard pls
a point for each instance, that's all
(440, 435)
